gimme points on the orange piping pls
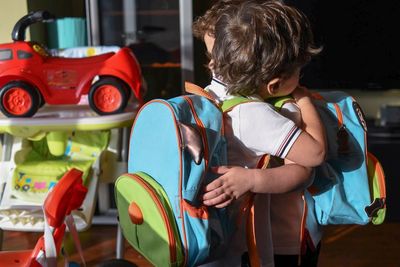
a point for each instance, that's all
(339, 115)
(180, 180)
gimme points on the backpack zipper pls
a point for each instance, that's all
(201, 127)
(154, 196)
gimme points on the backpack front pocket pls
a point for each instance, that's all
(146, 219)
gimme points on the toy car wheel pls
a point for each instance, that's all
(108, 95)
(19, 99)
(25, 188)
(41, 101)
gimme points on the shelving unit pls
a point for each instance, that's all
(158, 32)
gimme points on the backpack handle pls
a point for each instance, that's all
(197, 90)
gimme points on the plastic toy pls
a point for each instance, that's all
(31, 77)
(66, 196)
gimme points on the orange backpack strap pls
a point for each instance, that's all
(251, 235)
(197, 90)
(250, 222)
(225, 106)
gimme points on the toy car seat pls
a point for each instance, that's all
(37, 165)
(67, 195)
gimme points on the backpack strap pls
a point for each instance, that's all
(229, 104)
(225, 106)
(254, 257)
(278, 102)
(342, 134)
(197, 90)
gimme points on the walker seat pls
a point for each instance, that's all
(43, 148)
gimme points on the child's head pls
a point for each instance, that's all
(203, 26)
(260, 46)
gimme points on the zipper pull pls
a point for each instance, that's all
(343, 141)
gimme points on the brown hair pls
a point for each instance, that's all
(205, 23)
(257, 41)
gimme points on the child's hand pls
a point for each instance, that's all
(231, 185)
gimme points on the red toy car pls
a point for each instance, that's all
(31, 77)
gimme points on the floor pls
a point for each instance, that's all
(343, 246)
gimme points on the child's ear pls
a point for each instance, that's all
(273, 86)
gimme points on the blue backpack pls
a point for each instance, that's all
(173, 145)
(349, 187)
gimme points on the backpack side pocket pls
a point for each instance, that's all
(376, 176)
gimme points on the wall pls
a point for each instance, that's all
(371, 101)
(10, 13)
(59, 8)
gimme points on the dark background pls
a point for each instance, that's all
(360, 41)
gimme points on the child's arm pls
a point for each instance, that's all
(310, 147)
(236, 181)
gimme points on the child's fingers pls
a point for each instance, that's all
(213, 193)
(213, 185)
(220, 169)
(217, 200)
(224, 204)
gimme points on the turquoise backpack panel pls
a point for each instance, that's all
(341, 189)
(175, 142)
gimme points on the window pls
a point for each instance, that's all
(5, 54)
(23, 54)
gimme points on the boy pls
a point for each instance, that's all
(259, 49)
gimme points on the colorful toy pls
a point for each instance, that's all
(31, 77)
(66, 196)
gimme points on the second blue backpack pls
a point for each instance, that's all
(349, 188)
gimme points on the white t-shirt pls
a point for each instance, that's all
(252, 130)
